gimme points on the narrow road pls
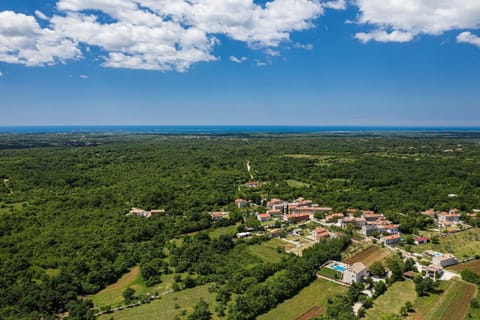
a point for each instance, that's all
(249, 169)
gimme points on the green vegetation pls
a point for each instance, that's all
(165, 308)
(266, 253)
(392, 300)
(463, 244)
(315, 295)
(64, 198)
(223, 231)
(452, 301)
(330, 273)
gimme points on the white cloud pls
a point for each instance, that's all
(23, 41)
(308, 46)
(402, 20)
(1, 74)
(238, 60)
(383, 36)
(154, 34)
(40, 15)
(468, 37)
(83, 76)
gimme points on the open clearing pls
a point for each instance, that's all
(166, 308)
(112, 295)
(265, 253)
(230, 230)
(473, 265)
(452, 304)
(393, 300)
(369, 256)
(314, 296)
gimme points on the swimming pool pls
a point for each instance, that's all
(437, 254)
(338, 267)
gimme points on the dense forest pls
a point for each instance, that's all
(63, 199)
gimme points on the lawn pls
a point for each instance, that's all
(229, 230)
(308, 299)
(369, 256)
(265, 253)
(462, 244)
(473, 265)
(330, 273)
(391, 302)
(452, 304)
(274, 243)
(168, 307)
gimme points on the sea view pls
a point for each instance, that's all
(223, 129)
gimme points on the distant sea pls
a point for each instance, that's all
(238, 129)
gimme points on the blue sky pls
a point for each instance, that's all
(285, 62)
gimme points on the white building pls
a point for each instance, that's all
(355, 273)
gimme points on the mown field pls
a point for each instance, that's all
(166, 308)
(112, 295)
(314, 297)
(391, 302)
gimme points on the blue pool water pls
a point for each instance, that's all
(338, 268)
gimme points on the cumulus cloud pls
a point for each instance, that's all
(400, 21)
(23, 41)
(383, 36)
(154, 34)
(468, 37)
(1, 74)
(238, 60)
(83, 76)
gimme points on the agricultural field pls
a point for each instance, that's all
(462, 245)
(369, 256)
(168, 307)
(391, 302)
(473, 265)
(306, 305)
(452, 304)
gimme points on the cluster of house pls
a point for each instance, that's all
(215, 216)
(297, 211)
(446, 219)
(146, 214)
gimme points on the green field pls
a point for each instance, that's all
(265, 253)
(230, 230)
(297, 184)
(313, 296)
(452, 304)
(391, 302)
(166, 308)
(462, 244)
(112, 295)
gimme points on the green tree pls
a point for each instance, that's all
(201, 311)
(128, 295)
(377, 269)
